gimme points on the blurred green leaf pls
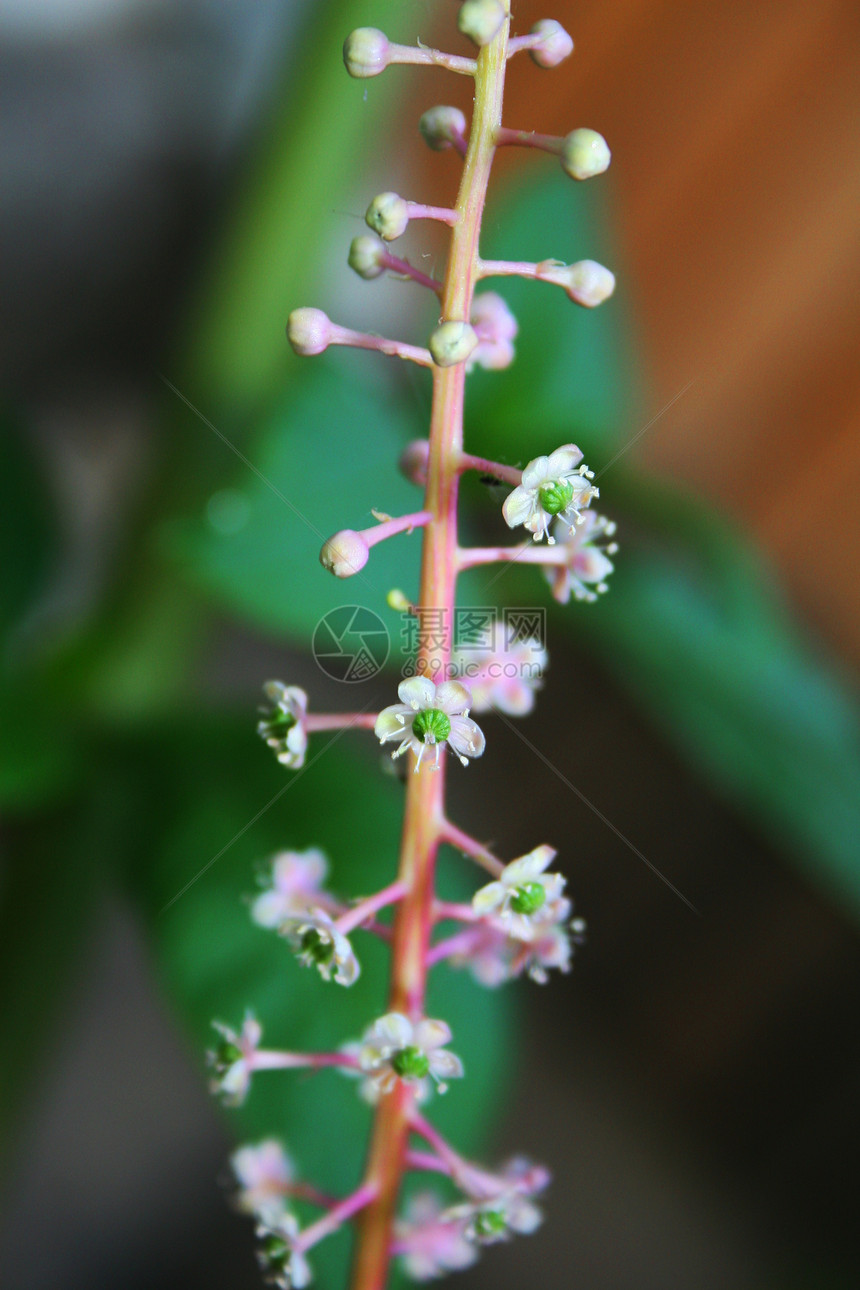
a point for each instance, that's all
(326, 456)
(572, 377)
(216, 963)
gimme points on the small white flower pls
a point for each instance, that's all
(292, 886)
(431, 715)
(522, 895)
(283, 727)
(319, 944)
(554, 485)
(283, 1265)
(233, 1059)
(496, 329)
(504, 679)
(495, 957)
(428, 1246)
(264, 1173)
(587, 564)
(489, 1221)
(396, 1049)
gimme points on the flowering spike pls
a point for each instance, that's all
(519, 921)
(481, 20)
(584, 154)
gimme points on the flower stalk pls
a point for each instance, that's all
(519, 922)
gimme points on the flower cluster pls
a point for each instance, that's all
(520, 922)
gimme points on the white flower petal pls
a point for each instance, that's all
(418, 692)
(537, 472)
(431, 1034)
(518, 507)
(452, 697)
(393, 1030)
(489, 898)
(527, 867)
(563, 461)
(466, 738)
(445, 1065)
(393, 722)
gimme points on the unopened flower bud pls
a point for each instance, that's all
(388, 215)
(344, 554)
(413, 461)
(309, 331)
(441, 126)
(481, 20)
(555, 44)
(366, 256)
(589, 283)
(365, 52)
(452, 342)
(584, 154)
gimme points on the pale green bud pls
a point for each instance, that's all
(589, 283)
(388, 215)
(452, 342)
(440, 126)
(308, 331)
(555, 44)
(584, 154)
(344, 554)
(481, 20)
(366, 255)
(365, 52)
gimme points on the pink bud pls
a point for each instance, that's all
(309, 331)
(344, 554)
(366, 52)
(554, 46)
(413, 461)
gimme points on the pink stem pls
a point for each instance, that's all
(424, 1160)
(337, 1215)
(464, 1173)
(462, 913)
(518, 43)
(267, 1059)
(433, 58)
(388, 528)
(302, 1191)
(463, 842)
(460, 943)
(387, 896)
(529, 553)
(407, 270)
(529, 139)
(316, 721)
(442, 213)
(394, 348)
(509, 269)
(508, 474)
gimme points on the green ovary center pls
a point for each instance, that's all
(556, 496)
(227, 1055)
(490, 1223)
(431, 726)
(317, 947)
(528, 898)
(410, 1063)
(279, 724)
